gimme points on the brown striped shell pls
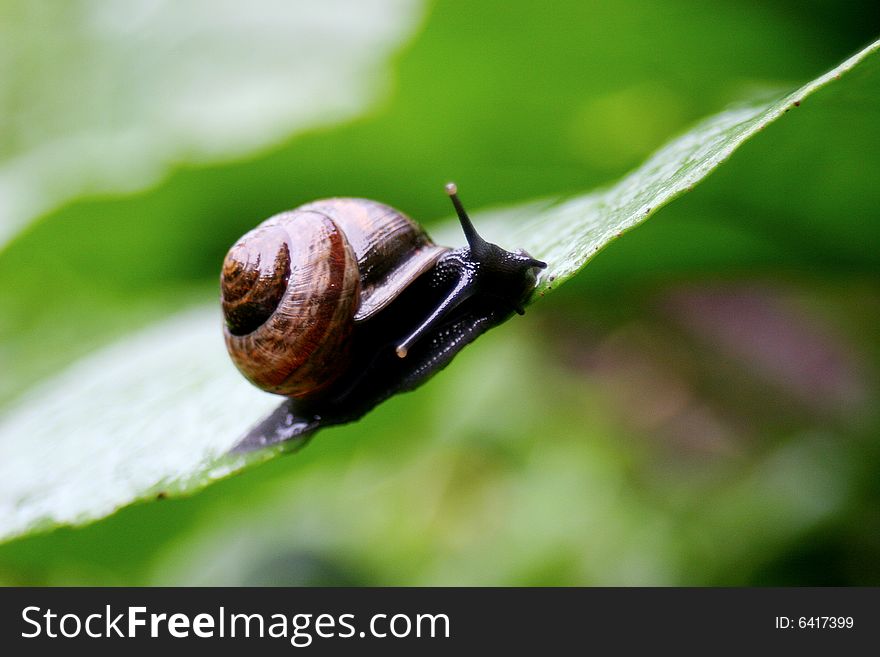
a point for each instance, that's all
(293, 288)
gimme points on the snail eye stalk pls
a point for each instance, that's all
(478, 245)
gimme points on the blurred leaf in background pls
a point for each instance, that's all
(698, 406)
(103, 99)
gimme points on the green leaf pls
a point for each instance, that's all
(567, 233)
(71, 127)
(156, 414)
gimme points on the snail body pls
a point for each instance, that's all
(344, 302)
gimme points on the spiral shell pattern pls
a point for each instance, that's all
(289, 290)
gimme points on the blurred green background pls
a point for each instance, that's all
(697, 407)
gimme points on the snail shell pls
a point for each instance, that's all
(293, 288)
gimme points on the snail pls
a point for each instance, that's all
(343, 302)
